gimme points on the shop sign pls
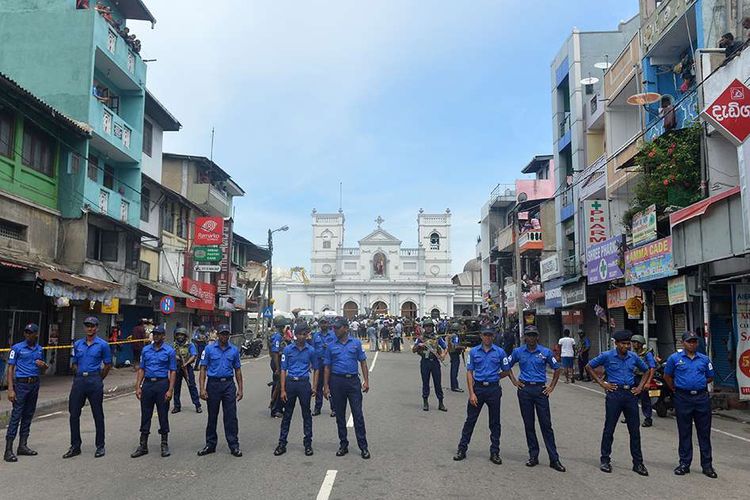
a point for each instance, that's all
(572, 317)
(206, 292)
(574, 294)
(553, 293)
(619, 296)
(545, 311)
(223, 282)
(596, 221)
(510, 298)
(677, 290)
(112, 308)
(604, 261)
(730, 112)
(207, 268)
(208, 231)
(550, 268)
(207, 253)
(742, 318)
(644, 226)
(634, 307)
(649, 262)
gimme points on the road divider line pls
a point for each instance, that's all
(374, 360)
(350, 421)
(327, 486)
(50, 415)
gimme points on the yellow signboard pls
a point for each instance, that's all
(112, 308)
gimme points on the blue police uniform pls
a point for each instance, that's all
(455, 357)
(321, 341)
(190, 381)
(343, 359)
(274, 347)
(156, 365)
(620, 372)
(88, 385)
(485, 367)
(429, 366)
(220, 364)
(692, 403)
(26, 386)
(531, 398)
(297, 364)
(643, 397)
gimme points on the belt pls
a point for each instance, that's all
(89, 374)
(297, 379)
(487, 384)
(532, 383)
(692, 392)
(345, 375)
(155, 379)
(26, 380)
(220, 379)
(624, 387)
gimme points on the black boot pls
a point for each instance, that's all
(425, 404)
(9, 456)
(441, 406)
(23, 449)
(165, 446)
(142, 447)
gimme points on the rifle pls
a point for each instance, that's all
(181, 361)
(432, 350)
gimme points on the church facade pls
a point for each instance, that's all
(378, 275)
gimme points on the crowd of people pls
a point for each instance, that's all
(119, 26)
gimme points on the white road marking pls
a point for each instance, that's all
(50, 415)
(374, 359)
(350, 421)
(327, 486)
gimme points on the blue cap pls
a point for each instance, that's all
(224, 329)
(488, 331)
(340, 322)
(531, 330)
(91, 320)
(158, 330)
(690, 336)
(622, 335)
(31, 327)
(301, 327)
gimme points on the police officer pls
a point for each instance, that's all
(321, 341)
(297, 361)
(455, 350)
(342, 383)
(220, 366)
(186, 354)
(432, 352)
(533, 394)
(275, 347)
(91, 360)
(487, 364)
(25, 365)
(154, 385)
(200, 338)
(647, 355)
(688, 373)
(622, 397)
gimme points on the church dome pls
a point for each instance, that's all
(472, 265)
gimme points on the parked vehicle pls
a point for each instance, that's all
(252, 346)
(661, 395)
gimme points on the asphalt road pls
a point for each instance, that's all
(411, 452)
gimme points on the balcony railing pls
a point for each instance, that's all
(117, 132)
(110, 44)
(530, 240)
(570, 266)
(210, 198)
(349, 252)
(565, 123)
(409, 252)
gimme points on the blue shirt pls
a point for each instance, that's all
(220, 362)
(586, 343)
(89, 358)
(620, 370)
(24, 357)
(276, 339)
(321, 341)
(486, 366)
(298, 362)
(455, 340)
(158, 362)
(344, 357)
(533, 363)
(689, 374)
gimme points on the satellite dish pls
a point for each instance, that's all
(522, 197)
(603, 65)
(589, 81)
(644, 98)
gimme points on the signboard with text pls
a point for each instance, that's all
(553, 293)
(677, 290)
(742, 318)
(207, 253)
(730, 112)
(649, 262)
(208, 231)
(206, 292)
(549, 267)
(644, 226)
(223, 283)
(574, 294)
(604, 261)
(619, 296)
(596, 221)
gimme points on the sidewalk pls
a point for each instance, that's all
(54, 390)
(742, 416)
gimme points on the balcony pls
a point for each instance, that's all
(114, 58)
(595, 178)
(406, 252)
(211, 199)
(567, 207)
(504, 195)
(530, 241)
(113, 136)
(348, 252)
(504, 240)
(112, 203)
(570, 267)
(564, 131)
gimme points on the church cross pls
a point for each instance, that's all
(379, 221)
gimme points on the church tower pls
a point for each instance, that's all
(328, 236)
(435, 242)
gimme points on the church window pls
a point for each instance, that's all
(326, 235)
(326, 244)
(434, 241)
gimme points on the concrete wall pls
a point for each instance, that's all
(151, 256)
(41, 229)
(72, 243)
(152, 165)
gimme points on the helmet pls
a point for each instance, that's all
(281, 321)
(180, 331)
(428, 322)
(638, 338)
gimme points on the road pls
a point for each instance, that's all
(411, 452)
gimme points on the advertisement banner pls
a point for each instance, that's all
(553, 293)
(619, 296)
(223, 282)
(730, 112)
(206, 292)
(649, 262)
(677, 290)
(208, 231)
(550, 268)
(644, 226)
(604, 261)
(510, 298)
(574, 294)
(742, 318)
(596, 221)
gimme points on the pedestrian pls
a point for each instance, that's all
(487, 364)
(275, 347)
(220, 366)
(638, 342)
(343, 384)
(25, 365)
(384, 336)
(91, 360)
(138, 335)
(154, 386)
(398, 330)
(321, 342)
(533, 395)
(186, 354)
(372, 337)
(297, 361)
(455, 351)
(432, 351)
(567, 353)
(584, 344)
(199, 339)
(688, 373)
(621, 397)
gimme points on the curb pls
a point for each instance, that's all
(745, 419)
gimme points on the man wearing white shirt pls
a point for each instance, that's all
(567, 353)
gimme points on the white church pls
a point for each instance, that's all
(379, 276)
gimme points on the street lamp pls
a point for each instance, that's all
(270, 260)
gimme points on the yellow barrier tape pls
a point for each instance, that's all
(55, 347)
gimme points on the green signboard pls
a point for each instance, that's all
(207, 254)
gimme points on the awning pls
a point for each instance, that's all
(165, 289)
(699, 208)
(77, 281)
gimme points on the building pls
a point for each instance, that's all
(378, 276)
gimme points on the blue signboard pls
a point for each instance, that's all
(553, 293)
(268, 312)
(167, 304)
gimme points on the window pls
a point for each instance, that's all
(148, 137)
(182, 223)
(12, 230)
(132, 252)
(167, 217)
(93, 169)
(74, 164)
(144, 269)
(326, 244)
(434, 241)
(38, 150)
(6, 133)
(145, 203)
(109, 177)
(102, 245)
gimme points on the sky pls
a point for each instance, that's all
(408, 104)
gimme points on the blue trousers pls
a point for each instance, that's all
(297, 390)
(645, 400)
(23, 409)
(89, 388)
(688, 409)
(618, 402)
(431, 367)
(153, 395)
(345, 389)
(192, 388)
(455, 363)
(490, 396)
(222, 394)
(532, 400)
(319, 390)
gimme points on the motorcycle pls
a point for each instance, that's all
(252, 346)
(660, 394)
